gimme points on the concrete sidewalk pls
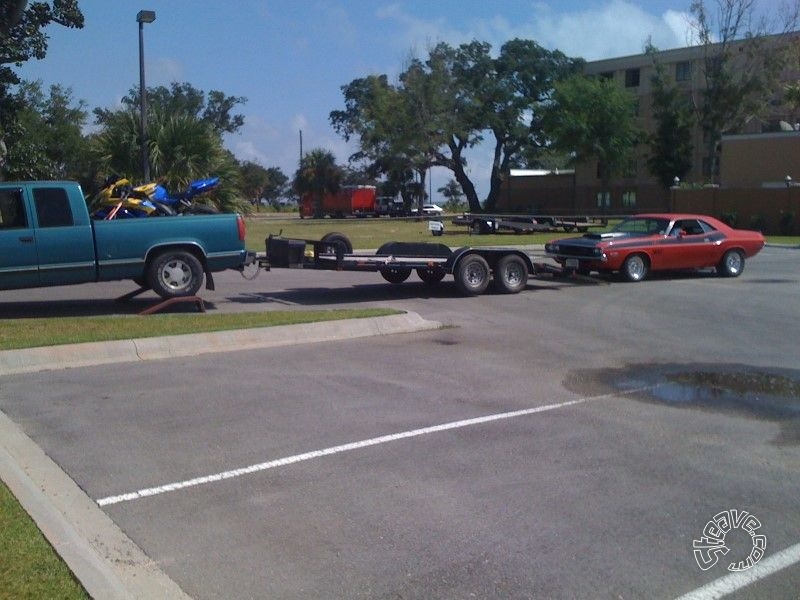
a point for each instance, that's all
(106, 562)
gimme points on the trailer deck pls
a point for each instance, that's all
(472, 268)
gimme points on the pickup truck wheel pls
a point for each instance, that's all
(472, 275)
(175, 273)
(510, 275)
(635, 268)
(395, 275)
(431, 275)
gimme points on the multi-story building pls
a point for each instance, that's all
(636, 189)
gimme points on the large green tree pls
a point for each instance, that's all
(22, 38)
(671, 143)
(184, 136)
(744, 52)
(260, 183)
(592, 118)
(215, 109)
(51, 144)
(449, 103)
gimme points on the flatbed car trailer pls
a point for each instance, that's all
(473, 269)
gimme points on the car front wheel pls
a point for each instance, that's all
(635, 268)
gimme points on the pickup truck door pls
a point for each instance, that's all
(19, 265)
(64, 239)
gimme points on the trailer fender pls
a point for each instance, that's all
(490, 255)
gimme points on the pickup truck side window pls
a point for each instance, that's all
(52, 207)
(12, 210)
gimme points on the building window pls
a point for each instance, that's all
(603, 199)
(609, 75)
(629, 199)
(632, 78)
(683, 71)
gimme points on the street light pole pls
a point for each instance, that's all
(143, 16)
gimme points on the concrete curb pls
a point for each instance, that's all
(29, 360)
(106, 562)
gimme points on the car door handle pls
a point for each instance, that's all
(26, 239)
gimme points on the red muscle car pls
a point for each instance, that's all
(659, 242)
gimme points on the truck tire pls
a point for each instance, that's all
(472, 275)
(510, 274)
(395, 275)
(339, 239)
(174, 274)
(431, 275)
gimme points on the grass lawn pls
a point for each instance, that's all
(29, 567)
(28, 333)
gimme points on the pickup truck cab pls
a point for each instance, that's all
(47, 238)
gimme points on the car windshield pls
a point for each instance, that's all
(642, 226)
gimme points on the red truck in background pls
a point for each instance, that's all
(355, 200)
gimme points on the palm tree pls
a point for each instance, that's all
(181, 148)
(318, 174)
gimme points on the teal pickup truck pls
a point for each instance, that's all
(47, 238)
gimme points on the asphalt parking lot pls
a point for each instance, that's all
(571, 441)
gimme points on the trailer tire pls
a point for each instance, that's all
(431, 275)
(338, 239)
(510, 274)
(174, 274)
(472, 275)
(395, 275)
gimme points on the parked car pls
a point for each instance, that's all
(659, 242)
(432, 210)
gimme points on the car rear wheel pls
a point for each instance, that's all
(732, 264)
(635, 268)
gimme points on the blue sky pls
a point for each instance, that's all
(289, 58)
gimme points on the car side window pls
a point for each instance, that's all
(12, 210)
(677, 229)
(52, 207)
(692, 227)
(706, 227)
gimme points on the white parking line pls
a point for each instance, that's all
(735, 581)
(282, 462)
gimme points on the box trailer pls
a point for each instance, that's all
(352, 200)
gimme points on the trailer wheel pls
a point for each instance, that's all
(510, 274)
(338, 239)
(175, 273)
(395, 275)
(431, 275)
(472, 275)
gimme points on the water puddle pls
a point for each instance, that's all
(772, 395)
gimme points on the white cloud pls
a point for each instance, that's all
(616, 28)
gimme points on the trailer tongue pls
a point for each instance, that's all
(472, 268)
